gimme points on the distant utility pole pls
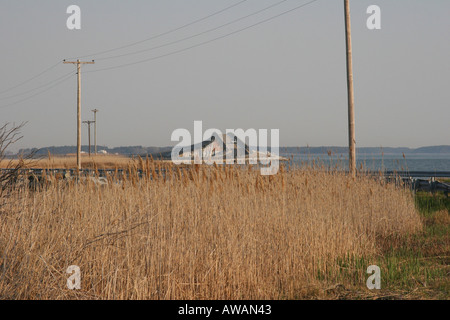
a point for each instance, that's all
(95, 130)
(78, 63)
(351, 100)
(89, 134)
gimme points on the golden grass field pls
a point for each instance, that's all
(212, 233)
(70, 162)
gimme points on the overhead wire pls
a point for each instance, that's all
(119, 48)
(114, 49)
(32, 78)
(195, 35)
(67, 77)
(204, 42)
(164, 33)
(34, 89)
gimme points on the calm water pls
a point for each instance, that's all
(412, 162)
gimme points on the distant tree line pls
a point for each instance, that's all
(368, 150)
(140, 150)
(63, 150)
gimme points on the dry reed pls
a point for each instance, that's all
(70, 162)
(207, 233)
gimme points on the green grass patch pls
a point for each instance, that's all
(428, 203)
(414, 267)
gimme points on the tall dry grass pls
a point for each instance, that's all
(70, 162)
(212, 233)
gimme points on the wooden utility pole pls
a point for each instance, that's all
(95, 130)
(89, 134)
(79, 63)
(351, 100)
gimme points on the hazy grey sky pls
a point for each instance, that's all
(287, 74)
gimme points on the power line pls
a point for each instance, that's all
(31, 90)
(26, 81)
(164, 33)
(160, 56)
(195, 35)
(145, 50)
(41, 92)
(115, 49)
(204, 42)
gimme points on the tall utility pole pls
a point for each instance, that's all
(89, 134)
(351, 100)
(78, 63)
(95, 130)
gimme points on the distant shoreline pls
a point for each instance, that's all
(139, 150)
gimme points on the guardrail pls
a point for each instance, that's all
(413, 179)
(403, 174)
(418, 174)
